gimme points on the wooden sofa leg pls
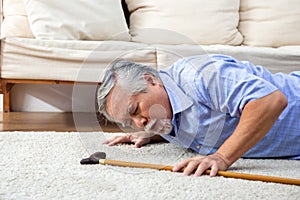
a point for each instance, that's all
(6, 102)
(5, 89)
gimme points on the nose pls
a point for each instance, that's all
(139, 121)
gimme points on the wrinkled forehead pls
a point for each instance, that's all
(117, 104)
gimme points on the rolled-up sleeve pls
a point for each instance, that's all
(227, 85)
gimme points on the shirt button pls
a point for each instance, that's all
(198, 146)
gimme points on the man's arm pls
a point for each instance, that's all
(256, 120)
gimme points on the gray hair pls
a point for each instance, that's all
(125, 74)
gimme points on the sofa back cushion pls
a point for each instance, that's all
(188, 21)
(77, 20)
(270, 23)
(15, 22)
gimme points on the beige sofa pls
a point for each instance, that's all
(67, 42)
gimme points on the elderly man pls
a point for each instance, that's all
(218, 106)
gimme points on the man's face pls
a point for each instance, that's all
(149, 111)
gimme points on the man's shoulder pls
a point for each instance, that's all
(198, 67)
(198, 62)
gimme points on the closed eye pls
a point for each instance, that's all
(136, 110)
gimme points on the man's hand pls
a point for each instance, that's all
(137, 139)
(199, 164)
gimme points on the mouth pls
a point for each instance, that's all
(159, 126)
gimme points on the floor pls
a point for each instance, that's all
(53, 121)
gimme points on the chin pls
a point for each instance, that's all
(159, 126)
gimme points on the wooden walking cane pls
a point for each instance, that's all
(99, 158)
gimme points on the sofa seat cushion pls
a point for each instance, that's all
(284, 59)
(24, 58)
(69, 60)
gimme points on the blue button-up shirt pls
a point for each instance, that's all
(208, 94)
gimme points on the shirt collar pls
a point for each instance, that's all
(178, 99)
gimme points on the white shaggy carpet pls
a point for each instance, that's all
(45, 165)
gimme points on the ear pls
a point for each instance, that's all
(150, 79)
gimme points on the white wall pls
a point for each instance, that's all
(41, 98)
(53, 98)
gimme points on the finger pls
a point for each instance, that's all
(118, 140)
(109, 140)
(181, 165)
(105, 142)
(141, 142)
(202, 167)
(191, 167)
(138, 144)
(214, 170)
